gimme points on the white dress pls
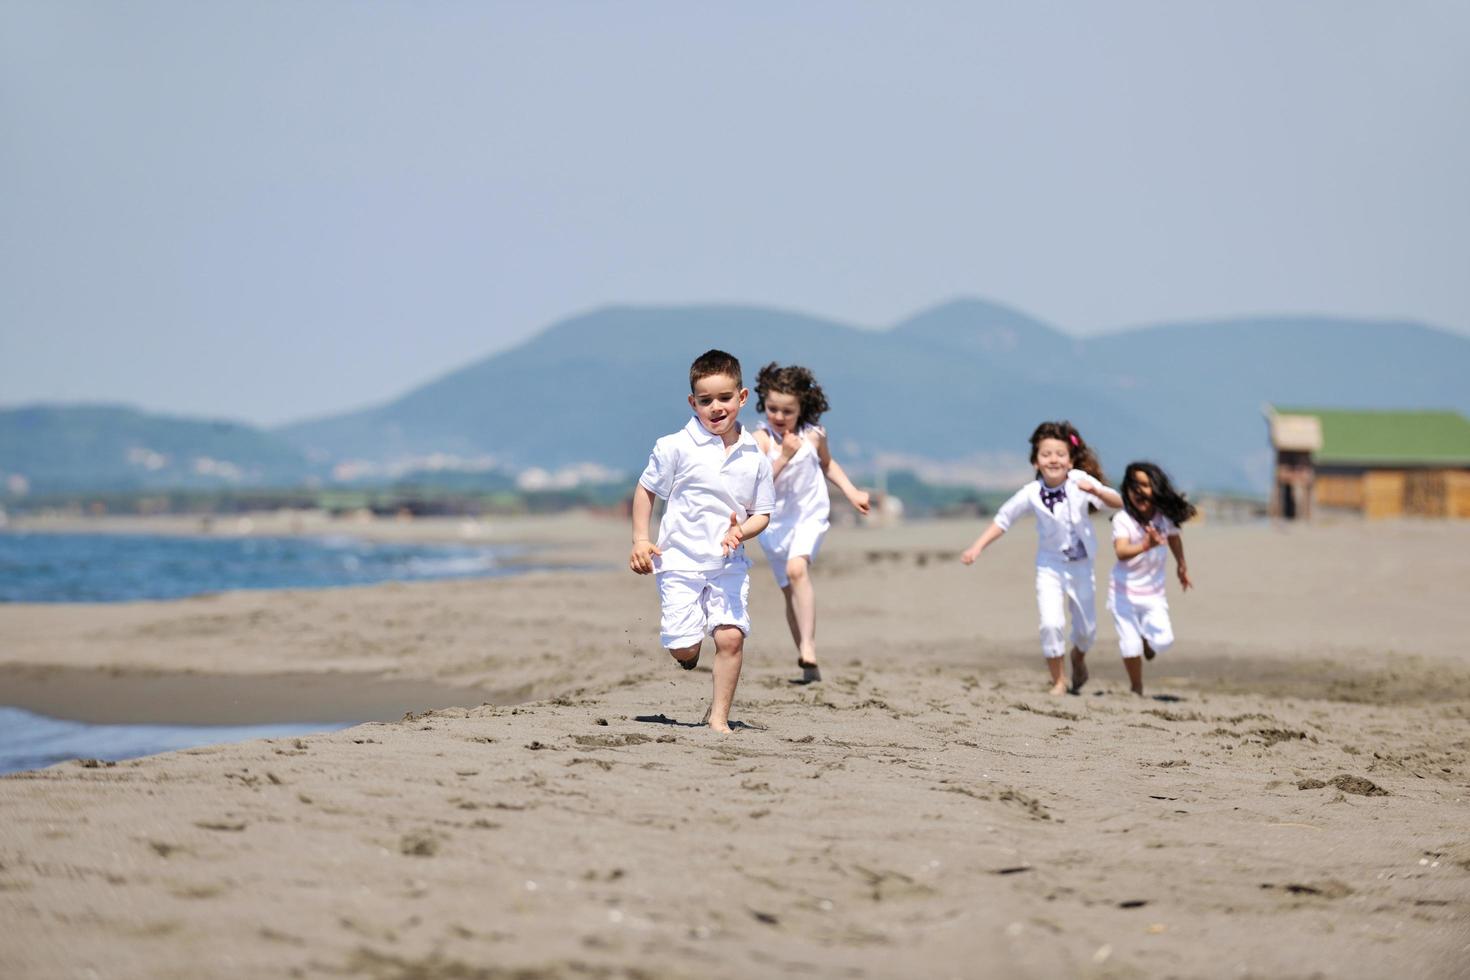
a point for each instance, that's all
(800, 520)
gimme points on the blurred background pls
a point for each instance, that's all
(456, 257)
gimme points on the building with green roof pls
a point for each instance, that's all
(1379, 463)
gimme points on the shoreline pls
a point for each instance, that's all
(548, 540)
(119, 697)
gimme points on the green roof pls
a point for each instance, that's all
(1390, 437)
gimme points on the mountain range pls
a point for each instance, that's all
(957, 388)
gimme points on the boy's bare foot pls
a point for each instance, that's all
(810, 672)
(1079, 669)
(1148, 651)
(1138, 691)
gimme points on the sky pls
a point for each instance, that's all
(271, 211)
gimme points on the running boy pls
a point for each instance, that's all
(718, 486)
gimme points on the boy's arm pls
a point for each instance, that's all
(834, 472)
(741, 531)
(641, 558)
(1176, 545)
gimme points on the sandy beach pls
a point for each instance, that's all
(1291, 800)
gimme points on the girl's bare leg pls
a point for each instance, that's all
(791, 617)
(1134, 666)
(803, 609)
(1058, 676)
(729, 653)
(1079, 669)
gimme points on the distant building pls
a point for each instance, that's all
(1379, 464)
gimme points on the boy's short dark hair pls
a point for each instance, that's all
(715, 362)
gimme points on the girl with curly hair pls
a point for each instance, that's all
(802, 463)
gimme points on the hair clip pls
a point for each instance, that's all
(1075, 442)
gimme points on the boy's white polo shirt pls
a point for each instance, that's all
(704, 485)
(1057, 526)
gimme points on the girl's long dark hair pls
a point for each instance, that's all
(1083, 458)
(1167, 501)
(792, 380)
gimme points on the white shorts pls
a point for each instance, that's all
(1140, 618)
(695, 604)
(802, 540)
(1063, 587)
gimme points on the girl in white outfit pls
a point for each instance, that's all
(802, 464)
(1069, 484)
(1153, 511)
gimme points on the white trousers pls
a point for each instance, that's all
(1063, 587)
(1140, 618)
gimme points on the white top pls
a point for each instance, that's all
(1061, 528)
(801, 486)
(704, 485)
(1141, 575)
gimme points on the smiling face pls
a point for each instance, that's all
(783, 412)
(1054, 459)
(1140, 490)
(716, 401)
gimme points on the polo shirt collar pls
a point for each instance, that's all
(705, 437)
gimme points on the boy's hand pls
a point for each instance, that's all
(1184, 582)
(733, 536)
(790, 444)
(861, 500)
(968, 556)
(641, 560)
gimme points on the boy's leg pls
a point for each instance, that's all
(1051, 603)
(687, 657)
(729, 622)
(804, 610)
(681, 616)
(729, 654)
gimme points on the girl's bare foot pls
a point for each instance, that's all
(1079, 669)
(1059, 688)
(1138, 690)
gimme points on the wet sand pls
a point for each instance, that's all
(1292, 800)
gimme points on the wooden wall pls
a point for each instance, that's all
(1396, 493)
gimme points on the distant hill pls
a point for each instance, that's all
(47, 449)
(963, 381)
(952, 392)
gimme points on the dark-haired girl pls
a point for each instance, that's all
(1151, 515)
(802, 464)
(1068, 484)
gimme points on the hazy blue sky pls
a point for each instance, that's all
(275, 210)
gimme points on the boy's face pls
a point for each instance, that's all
(717, 400)
(782, 411)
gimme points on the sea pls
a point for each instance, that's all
(103, 568)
